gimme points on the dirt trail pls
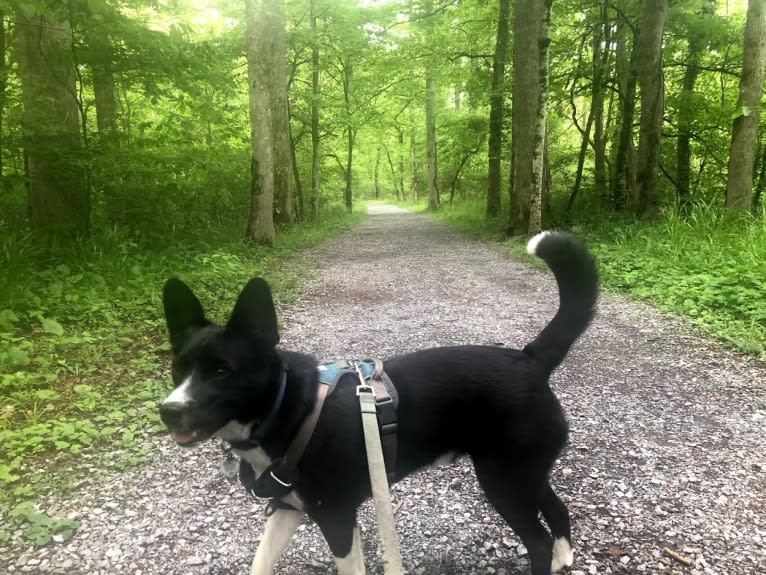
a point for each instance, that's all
(666, 446)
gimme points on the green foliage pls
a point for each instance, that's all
(708, 266)
(39, 528)
(90, 376)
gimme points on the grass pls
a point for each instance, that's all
(708, 265)
(83, 343)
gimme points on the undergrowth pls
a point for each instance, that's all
(707, 265)
(82, 340)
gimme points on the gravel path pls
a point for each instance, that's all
(666, 447)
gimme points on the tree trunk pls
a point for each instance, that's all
(761, 184)
(650, 81)
(739, 183)
(280, 115)
(3, 81)
(527, 21)
(623, 182)
(314, 112)
(103, 78)
(393, 174)
(601, 37)
(348, 73)
(433, 193)
(538, 160)
(260, 56)
(57, 184)
(298, 205)
(431, 182)
(401, 163)
(496, 111)
(413, 168)
(697, 41)
(375, 173)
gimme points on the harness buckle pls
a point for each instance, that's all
(364, 388)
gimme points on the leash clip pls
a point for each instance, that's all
(363, 386)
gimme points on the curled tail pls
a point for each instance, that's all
(576, 275)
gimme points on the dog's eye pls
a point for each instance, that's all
(222, 370)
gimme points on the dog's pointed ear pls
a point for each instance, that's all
(183, 312)
(254, 313)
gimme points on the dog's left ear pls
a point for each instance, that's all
(183, 312)
(254, 313)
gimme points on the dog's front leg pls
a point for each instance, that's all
(342, 534)
(277, 534)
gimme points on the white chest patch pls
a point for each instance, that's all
(256, 457)
(260, 461)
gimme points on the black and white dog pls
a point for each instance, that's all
(490, 403)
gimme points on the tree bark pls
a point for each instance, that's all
(432, 186)
(260, 225)
(527, 21)
(650, 80)
(600, 59)
(283, 169)
(538, 160)
(3, 83)
(739, 183)
(623, 182)
(413, 168)
(57, 183)
(103, 78)
(348, 73)
(314, 112)
(496, 111)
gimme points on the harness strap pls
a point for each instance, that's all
(387, 400)
(392, 561)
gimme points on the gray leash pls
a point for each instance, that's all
(392, 560)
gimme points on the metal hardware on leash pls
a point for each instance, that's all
(392, 559)
(230, 464)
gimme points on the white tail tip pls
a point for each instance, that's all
(534, 242)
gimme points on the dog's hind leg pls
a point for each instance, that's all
(276, 536)
(342, 534)
(557, 517)
(513, 490)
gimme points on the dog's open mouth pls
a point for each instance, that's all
(188, 437)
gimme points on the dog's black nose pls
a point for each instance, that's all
(172, 413)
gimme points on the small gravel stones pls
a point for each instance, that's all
(665, 472)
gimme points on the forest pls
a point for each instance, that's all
(215, 139)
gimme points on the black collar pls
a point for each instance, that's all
(258, 433)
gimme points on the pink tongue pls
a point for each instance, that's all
(183, 437)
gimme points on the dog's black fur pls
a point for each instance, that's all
(493, 404)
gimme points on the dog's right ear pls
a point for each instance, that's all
(254, 313)
(183, 312)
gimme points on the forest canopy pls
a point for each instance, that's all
(160, 116)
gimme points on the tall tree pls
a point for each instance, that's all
(260, 73)
(739, 183)
(57, 184)
(651, 84)
(541, 118)
(496, 110)
(527, 24)
(283, 170)
(623, 173)
(697, 40)
(315, 158)
(3, 82)
(431, 177)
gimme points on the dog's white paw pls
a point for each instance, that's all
(563, 556)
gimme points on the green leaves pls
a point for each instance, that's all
(40, 528)
(51, 326)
